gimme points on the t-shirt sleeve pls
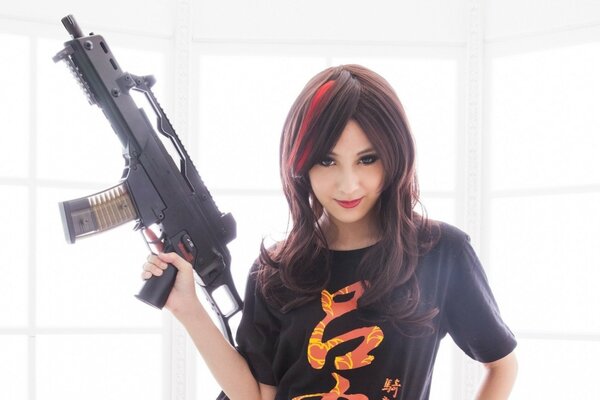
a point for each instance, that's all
(472, 315)
(257, 333)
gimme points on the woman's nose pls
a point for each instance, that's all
(348, 181)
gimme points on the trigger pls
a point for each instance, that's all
(153, 240)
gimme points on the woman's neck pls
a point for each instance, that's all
(350, 236)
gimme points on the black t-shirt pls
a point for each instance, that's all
(327, 350)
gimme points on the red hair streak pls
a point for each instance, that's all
(298, 161)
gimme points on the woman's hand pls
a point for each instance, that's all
(182, 300)
(227, 365)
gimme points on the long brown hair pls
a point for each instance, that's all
(296, 269)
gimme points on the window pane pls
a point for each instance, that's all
(13, 368)
(439, 209)
(545, 104)
(92, 282)
(243, 104)
(442, 382)
(206, 386)
(545, 262)
(75, 142)
(557, 369)
(14, 103)
(99, 367)
(257, 217)
(427, 89)
(15, 265)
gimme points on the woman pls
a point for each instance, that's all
(354, 302)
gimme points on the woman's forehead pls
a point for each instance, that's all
(352, 141)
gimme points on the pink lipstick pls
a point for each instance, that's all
(350, 203)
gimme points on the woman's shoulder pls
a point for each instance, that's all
(453, 233)
(444, 236)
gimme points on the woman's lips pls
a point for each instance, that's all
(349, 203)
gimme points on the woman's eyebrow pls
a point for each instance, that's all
(360, 153)
(366, 151)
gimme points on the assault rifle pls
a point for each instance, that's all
(166, 197)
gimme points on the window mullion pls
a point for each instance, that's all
(32, 222)
(469, 371)
(180, 382)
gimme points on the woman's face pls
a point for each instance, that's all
(349, 180)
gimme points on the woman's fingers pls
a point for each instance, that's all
(174, 259)
(153, 266)
(156, 263)
(183, 294)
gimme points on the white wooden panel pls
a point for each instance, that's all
(334, 20)
(150, 17)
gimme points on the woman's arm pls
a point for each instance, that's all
(499, 379)
(228, 367)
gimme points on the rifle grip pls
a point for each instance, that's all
(155, 291)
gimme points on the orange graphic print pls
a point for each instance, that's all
(339, 391)
(391, 387)
(335, 305)
(372, 336)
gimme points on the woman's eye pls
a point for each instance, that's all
(327, 162)
(370, 159)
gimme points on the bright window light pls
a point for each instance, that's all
(544, 213)
(243, 103)
(15, 105)
(544, 118)
(99, 367)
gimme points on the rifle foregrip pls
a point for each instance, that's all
(156, 289)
